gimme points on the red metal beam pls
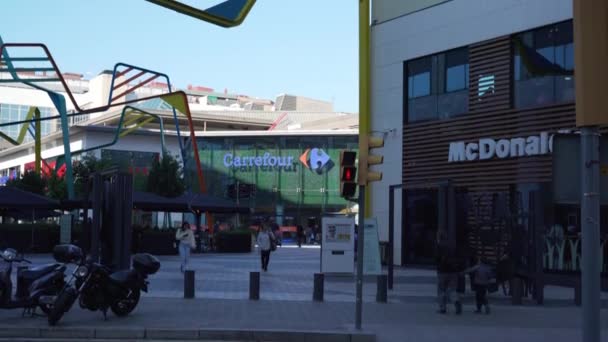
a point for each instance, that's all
(130, 90)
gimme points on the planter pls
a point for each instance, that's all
(157, 242)
(20, 237)
(233, 241)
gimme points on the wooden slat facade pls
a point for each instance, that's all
(426, 144)
(491, 115)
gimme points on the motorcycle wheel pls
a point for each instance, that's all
(125, 306)
(62, 304)
(46, 308)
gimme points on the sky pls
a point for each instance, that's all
(299, 47)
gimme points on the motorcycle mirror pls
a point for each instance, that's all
(9, 254)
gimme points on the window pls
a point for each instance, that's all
(13, 113)
(437, 86)
(419, 78)
(543, 64)
(457, 70)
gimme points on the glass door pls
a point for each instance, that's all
(419, 236)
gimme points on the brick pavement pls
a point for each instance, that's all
(286, 291)
(390, 322)
(290, 278)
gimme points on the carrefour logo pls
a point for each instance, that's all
(316, 160)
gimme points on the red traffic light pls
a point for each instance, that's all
(349, 173)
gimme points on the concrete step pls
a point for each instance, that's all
(152, 334)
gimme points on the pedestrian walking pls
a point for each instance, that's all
(265, 242)
(447, 276)
(483, 276)
(299, 235)
(185, 238)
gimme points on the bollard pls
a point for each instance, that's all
(254, 285)
(381, 293)
(578, 294)
(189, 284)
(516, 291)
(319, 287)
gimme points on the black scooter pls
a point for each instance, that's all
(36, 286)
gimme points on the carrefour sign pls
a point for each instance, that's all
(314, 159)
(267, 160)
(489, 148)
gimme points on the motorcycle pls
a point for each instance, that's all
(36, 286)
(97, 288)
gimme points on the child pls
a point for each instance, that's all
(482, 277)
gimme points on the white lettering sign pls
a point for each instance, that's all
(488, 148)
(267, 159)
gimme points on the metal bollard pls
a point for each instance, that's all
(254, 285)
(578, 294)
(319, 287)
(381, 293)
(516, 291)
(189, 284)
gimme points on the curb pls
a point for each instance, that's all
(183, 334)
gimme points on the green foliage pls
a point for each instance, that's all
(83, 169)
(30, 181)
(165, 178)
(56, 187)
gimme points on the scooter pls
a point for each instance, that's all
(36, 286)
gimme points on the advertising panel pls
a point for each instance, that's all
(337, 249)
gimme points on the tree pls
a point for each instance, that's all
(56, 187)
(31, 182)
(165, 178)
(83, 169)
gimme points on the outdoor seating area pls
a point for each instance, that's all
(29, 221)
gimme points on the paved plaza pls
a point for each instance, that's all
(286, 305)
(290, 278)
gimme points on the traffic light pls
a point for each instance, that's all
(366, 159)
(348, 174)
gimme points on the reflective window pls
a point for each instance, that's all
(437, 86)
(14, 113)
(419, 78)
(543, 64)
(456, 70)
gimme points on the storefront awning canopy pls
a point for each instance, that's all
(186, 203)
(12, 198)
(148, 201)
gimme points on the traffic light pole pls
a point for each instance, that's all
(591, 233)
(360, 237)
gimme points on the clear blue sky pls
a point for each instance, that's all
(301, 47)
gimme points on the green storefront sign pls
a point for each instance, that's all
(282, 175)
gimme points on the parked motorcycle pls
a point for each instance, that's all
(97, 288)
(36, 286)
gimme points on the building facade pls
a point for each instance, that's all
(473, 94)
(292, 176)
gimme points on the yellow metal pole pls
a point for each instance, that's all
(364, 97)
